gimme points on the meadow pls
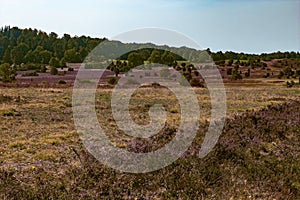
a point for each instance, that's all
(257, 156)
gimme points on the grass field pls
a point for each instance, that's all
(257, 157)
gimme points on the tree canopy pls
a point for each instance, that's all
(35, 46)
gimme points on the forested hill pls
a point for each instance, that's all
(34, 46)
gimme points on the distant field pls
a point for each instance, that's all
(41, 154)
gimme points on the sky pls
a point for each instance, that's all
(250, 26)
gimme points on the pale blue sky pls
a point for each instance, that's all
(253, 26)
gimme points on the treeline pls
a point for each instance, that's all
(229, 55)
(32, 46)
(29, 48)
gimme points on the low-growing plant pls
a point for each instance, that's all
(195, 82)
(62, 82)
(290, 84)
(112, 80)
(30, 74)
(53, 71)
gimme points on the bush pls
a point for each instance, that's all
(30, 74)
(53, 71)
(229, 71)
(230, 62)
(62, 82)
(112, 80)
(43, 69)
(54, 62)
(196, 83)
(29, 66)
(196, 73)
(236, 75)
(155, 84)
(7, 73)
(187, 75)
(290, 84)
(8, 114)
(266, 75)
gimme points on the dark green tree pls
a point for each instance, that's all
(72, 56)
(135, 59)
(62, 63)
(155, 57)
(7, 57)
(168, 58)
(45, 56)
(19, 52)
(54, 62)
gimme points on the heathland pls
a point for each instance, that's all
(42, 157)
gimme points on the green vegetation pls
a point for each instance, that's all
(53, 71)
(7, 72)
(42, 156)
(62, 82)
(31, 74)
(26, 46)
(30, 49)
(112, 80)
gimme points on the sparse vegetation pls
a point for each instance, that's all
(42, 156)
(30, 74)
(112, 80)
(62, 82)
(53, 71)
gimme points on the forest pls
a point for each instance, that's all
(33, 47)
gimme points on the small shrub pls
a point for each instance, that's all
(266, 75)
(8, 114)
(31, 74)
(236, 75)
(155, 84)
(43, 69)
(173, 111)
(62, 82)
(53, 71)
(229, 71)
(29, 66)
(187, 75)
(11, 112)
(196, 83)
(290, 84)
(112, 80)
(196, 73)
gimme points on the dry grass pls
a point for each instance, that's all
(41, 151)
